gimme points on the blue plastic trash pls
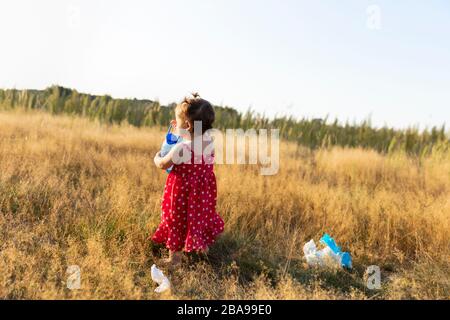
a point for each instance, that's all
(345, 258)
(329, 241)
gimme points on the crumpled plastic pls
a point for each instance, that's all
(330, 256)
(159, 277)
(169, 142)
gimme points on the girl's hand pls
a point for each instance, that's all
(157, 159)
(164, 162)
(167, 161)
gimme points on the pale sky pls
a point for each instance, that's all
(345, 58)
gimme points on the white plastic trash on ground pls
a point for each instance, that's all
(331, 255)
(159, 277)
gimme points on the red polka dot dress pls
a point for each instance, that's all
(189, 221)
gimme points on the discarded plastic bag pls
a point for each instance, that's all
(159, 277)
(311, 255)
(328, 256)
(324, 257)
(343, 258)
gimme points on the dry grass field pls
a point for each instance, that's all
(76, 192)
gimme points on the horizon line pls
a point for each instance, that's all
(367, 119)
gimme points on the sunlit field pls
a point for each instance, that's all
(77, 192)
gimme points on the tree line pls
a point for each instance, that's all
(313, 133)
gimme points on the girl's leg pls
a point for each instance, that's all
(174, 258)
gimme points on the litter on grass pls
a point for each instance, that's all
(331, 255)
(159, 277)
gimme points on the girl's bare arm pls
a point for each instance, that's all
(166, 161)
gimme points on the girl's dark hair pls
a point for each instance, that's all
(197, 109)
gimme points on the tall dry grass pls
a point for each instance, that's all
(75, 192)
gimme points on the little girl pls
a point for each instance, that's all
(189, 221)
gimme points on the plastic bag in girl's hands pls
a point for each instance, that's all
(169, 142)
(159, 277)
